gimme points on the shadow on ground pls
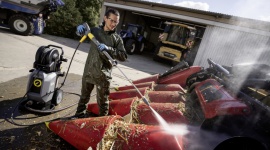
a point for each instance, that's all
(27, 130)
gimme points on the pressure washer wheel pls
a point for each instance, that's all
(57, 97)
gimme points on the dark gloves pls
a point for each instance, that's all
(103, 47)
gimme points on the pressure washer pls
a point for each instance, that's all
(43, 92)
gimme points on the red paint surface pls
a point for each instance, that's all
(179, 77)
(119, 107)
(165, 96)
(83, 133)
(146, 137)
(127, 94)
(168, 111)
(153, 78)
(225, 105)
(139, 85)
(168, 87)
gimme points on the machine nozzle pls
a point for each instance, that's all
(145, 101)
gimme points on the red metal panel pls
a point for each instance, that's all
(153, 78)
(83, 133)
(145, 137)
(170, 112)
(139, 85)
(179, 77)
(168, 87)
(127, 94)
(120, 107)
(166, 96)
(224, 104)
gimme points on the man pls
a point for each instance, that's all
(97, 70)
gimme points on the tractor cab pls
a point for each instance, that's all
(134, 29)
(175, 41)
(133, 38)
(179, 34)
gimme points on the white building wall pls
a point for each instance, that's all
(228, 46)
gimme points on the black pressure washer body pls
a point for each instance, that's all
(43, 93)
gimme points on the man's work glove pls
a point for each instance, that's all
(103, 47)
(80, 30)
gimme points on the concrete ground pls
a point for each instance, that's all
(20, 129)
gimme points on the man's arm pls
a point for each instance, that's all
(119, 51)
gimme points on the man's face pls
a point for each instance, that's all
(111, 22)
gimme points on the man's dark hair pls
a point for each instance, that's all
(112, 11)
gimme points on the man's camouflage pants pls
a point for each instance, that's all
(102, 97)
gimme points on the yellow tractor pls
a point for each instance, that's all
(174, 42)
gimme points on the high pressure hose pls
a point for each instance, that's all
(69, 65)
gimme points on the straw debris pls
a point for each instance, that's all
(134, 115)
(118, 131)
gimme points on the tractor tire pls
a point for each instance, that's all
(20, 24)
(130, 46)
(141, 48)
(241, 143)
(57, 97)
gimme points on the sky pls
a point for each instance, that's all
(253, 9)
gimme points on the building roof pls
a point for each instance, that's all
(198, 11)
(200, 16)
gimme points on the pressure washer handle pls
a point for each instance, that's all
(87, 28)
(62, 51)
(113, 61)
(96, 42)
(86, 33)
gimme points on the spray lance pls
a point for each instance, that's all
(111, 60)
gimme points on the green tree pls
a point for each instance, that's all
(64, 21)
(90, 10)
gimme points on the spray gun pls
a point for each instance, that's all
(91, 36)
(112, 61)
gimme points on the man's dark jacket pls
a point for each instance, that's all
(98, 67)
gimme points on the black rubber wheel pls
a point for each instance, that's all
(130, 46)
(141, 48)
(57, 97)
(241, 143)
(20, 24)
(22, 104)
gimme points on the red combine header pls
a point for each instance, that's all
(204, 109)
